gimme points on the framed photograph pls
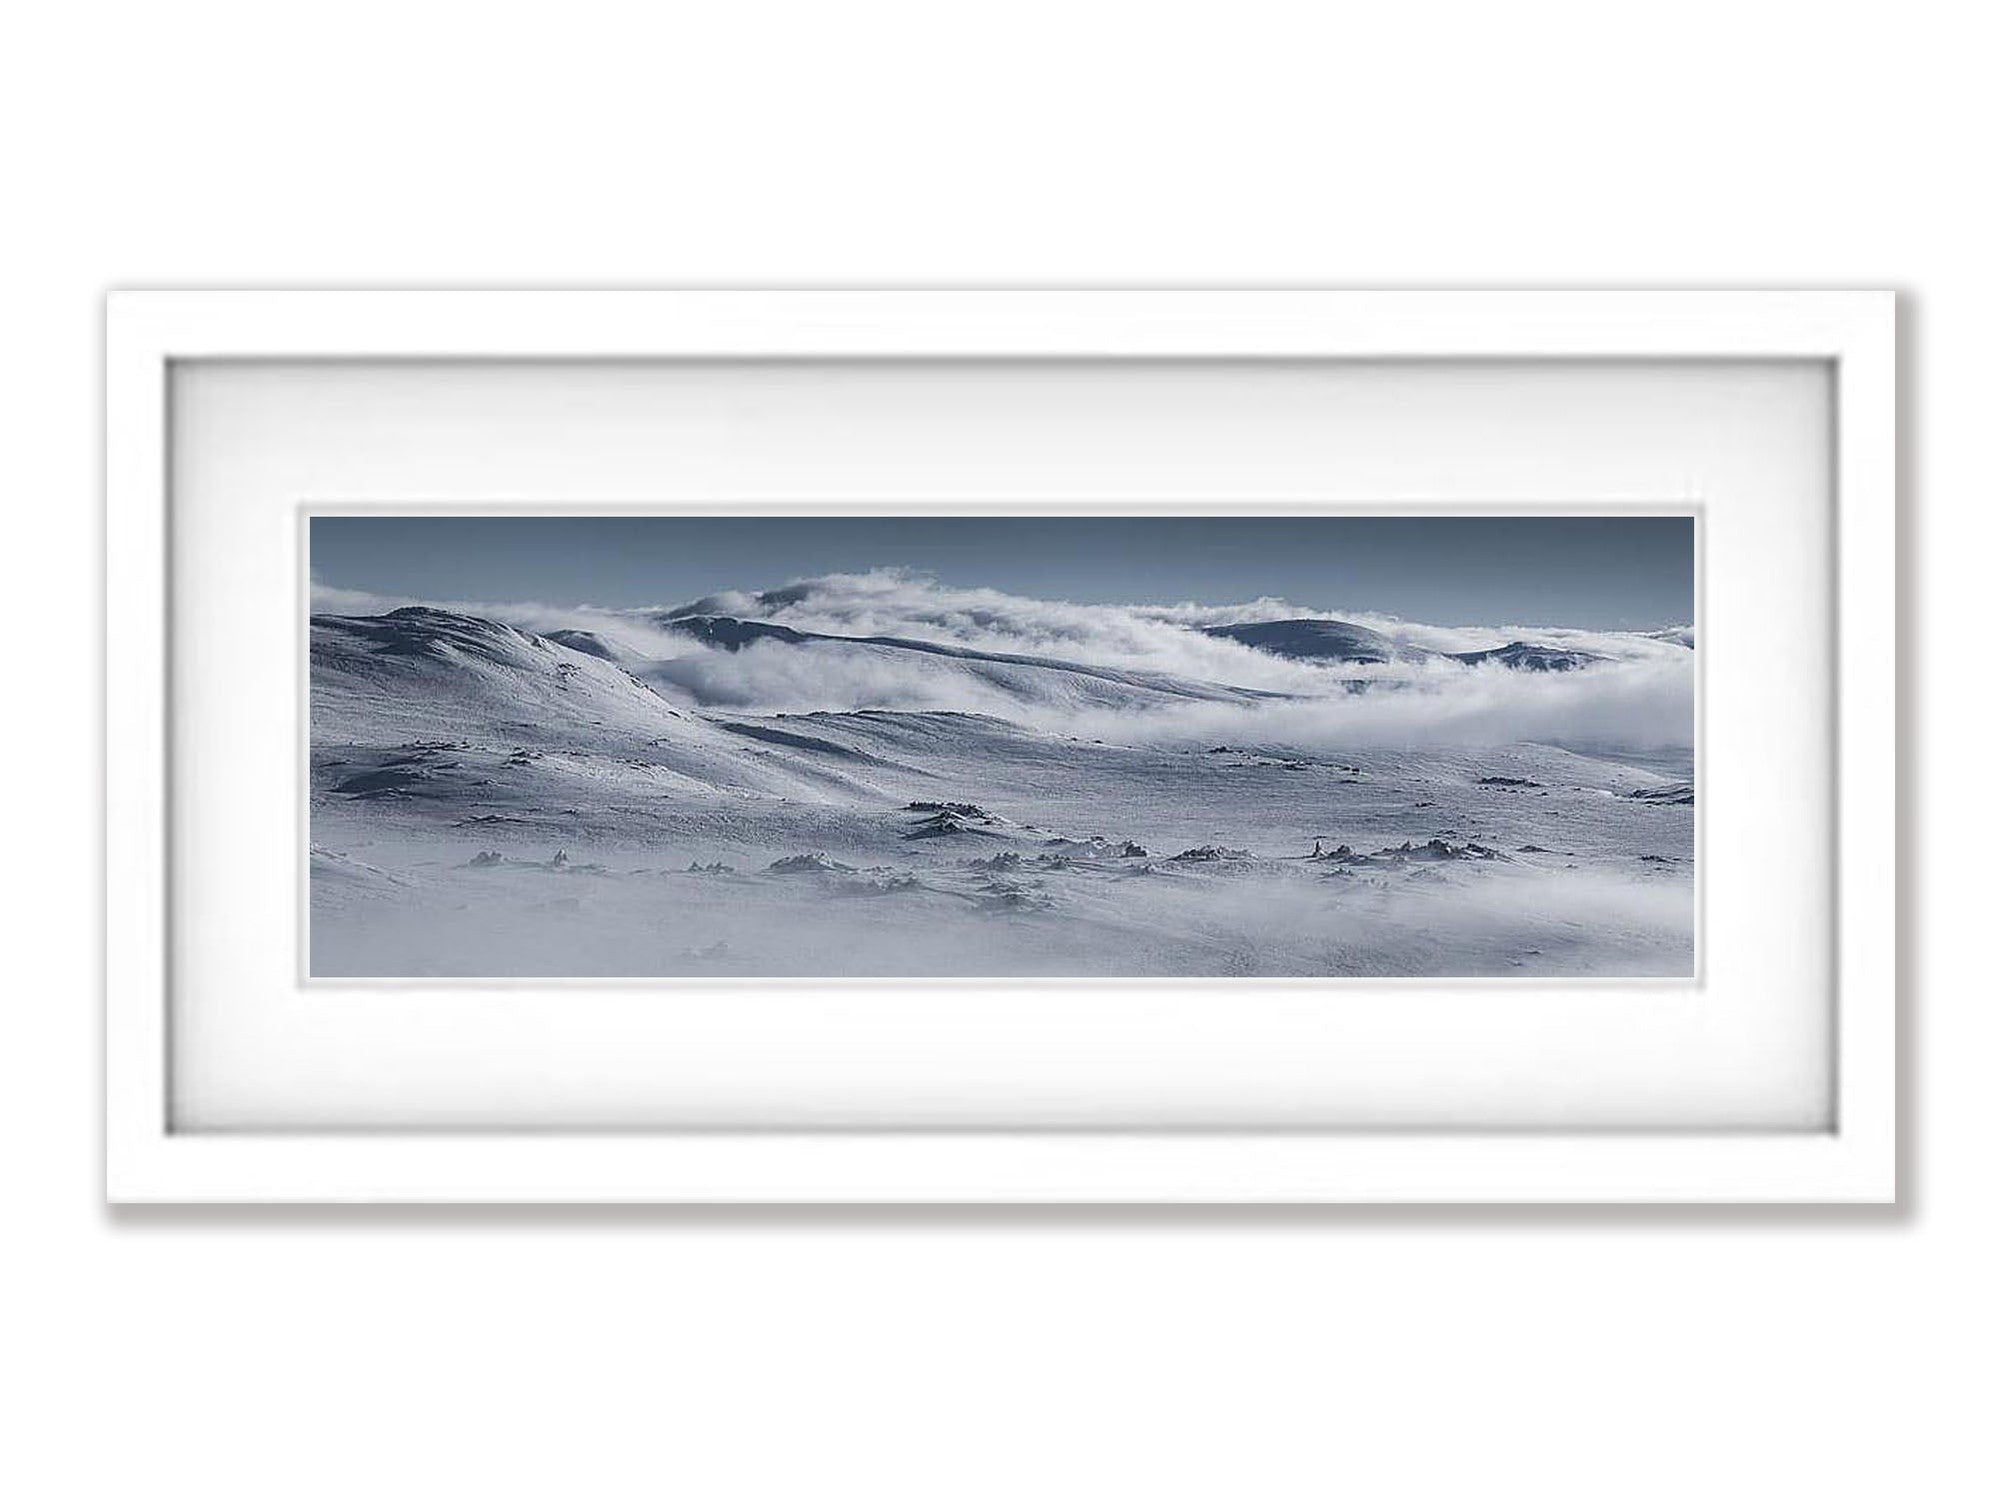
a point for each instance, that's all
(1001, 746)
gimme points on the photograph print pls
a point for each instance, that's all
(1002, 747)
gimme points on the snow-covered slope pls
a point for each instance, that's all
(421, 665)
(590, 643)
(427, 704)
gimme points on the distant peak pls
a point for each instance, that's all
(729, 633)
(1522, 655)
(1318, 640)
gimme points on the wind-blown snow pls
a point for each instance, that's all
(877, 774)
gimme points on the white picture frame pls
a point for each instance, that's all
(1849, 1158)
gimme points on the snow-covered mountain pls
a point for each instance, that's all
(1320, 640)
(1522, 655)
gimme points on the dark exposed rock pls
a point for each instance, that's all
(1674, 794)
(808, 864)
(950, 824)
(388, 782)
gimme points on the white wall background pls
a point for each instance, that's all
(431, 1353)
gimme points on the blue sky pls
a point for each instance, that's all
(1619, 572)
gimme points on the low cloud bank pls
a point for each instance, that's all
(1639, 705)
(1642, 694)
